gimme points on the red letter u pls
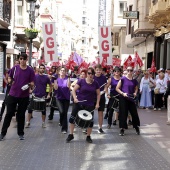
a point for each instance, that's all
(102, 32)
(49, 31)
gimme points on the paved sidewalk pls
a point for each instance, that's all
(46, 149)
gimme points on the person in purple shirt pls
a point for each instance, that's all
(88, 89)
(113, 96)
(62, 85)
(54, 93)
(101, 79)
(128, 88)
(41, 81)
(23, 79)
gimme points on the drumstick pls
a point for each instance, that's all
(103, 85)
(82, 101)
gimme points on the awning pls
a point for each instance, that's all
(12, 51)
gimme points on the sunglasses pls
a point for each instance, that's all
(22, 58)
(89, 73)
(129, 70)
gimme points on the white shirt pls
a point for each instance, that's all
(161, 84)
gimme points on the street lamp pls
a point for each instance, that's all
(32, 17)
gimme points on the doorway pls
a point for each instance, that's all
(149, 59)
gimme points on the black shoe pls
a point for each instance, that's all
(1, 137)
(106, 116)
(100, 130)
(88, 139)
(108, 126)
(21, 137)
(69, 138)
(122, 132)
(129, 122)
(137, 130)
(114, 123)
(50, 117)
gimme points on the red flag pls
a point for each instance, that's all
(57, 64)
(129, 62)
(104, 62)
(138, 60)
(82, 66)
(153, 68)
(116, 62)
(72, 64)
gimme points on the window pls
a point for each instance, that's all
(122, 7)
(83, 40)
(19, 18)
(83, 20)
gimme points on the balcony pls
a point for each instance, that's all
(5, 14)
(143, 27)
(158, 8)
(133, 39)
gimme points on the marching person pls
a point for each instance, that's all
(62, 85)
(101, 79)
(41, 81)
(88, 89)
(128, 88)
(22, 79)
(54, 93)
(113, 81)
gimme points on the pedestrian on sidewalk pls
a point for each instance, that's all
(145, 90)
(22, 79)
(128, 88)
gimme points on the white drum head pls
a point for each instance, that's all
(85, 115)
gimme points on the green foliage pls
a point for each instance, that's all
(31, 30)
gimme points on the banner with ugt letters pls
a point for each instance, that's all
(105, 45)
(50, 43)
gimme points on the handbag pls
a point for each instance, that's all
(151, 84)
(157, 90)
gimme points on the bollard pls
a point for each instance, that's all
(168, 110)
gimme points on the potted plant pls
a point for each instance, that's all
(31, 33)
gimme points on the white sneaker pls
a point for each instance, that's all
(159, 108)
(43, 125)
(154, 109)
(27, 125)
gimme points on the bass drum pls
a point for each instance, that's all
(38, 104)
(83, 119)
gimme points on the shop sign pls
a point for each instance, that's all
(5, 34)
(130, 14)
(20, 47)
(167, 36)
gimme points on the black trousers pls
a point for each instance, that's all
(126, 106)
(11, 105)
(158, 100)
(63, 106)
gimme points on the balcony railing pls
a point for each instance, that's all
(7, 11)
(133, 35)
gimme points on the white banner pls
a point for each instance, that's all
(105, 44)
(50, 43)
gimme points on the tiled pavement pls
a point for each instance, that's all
(46, 149)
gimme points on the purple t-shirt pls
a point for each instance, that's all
(54, 77)
(87, 92)
(113, 84)
(101, 80)
(128, 86)
(41, 82)
(63, 92)
(21, 77)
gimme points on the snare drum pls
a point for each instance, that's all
(83, 119)
(53, 102)
(38, 104)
